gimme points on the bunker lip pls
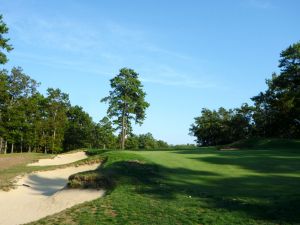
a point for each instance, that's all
(44, 193)
(60, 159)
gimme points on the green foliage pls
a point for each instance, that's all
(30, 121)
(126, 101)
(16, 89)
(222, 126)
(132, 142)
(147, 141)
(144, 141)
(57, 107)
(185, 147)
(278, 108)
(4, 41)
(79, 130)
(103, 135)
(275, 113)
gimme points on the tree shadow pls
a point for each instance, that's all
(264, 196)
(262, 163)
(45, 186)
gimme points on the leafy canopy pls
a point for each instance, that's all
(4, 41)
(126, 96)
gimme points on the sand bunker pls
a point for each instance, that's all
(43, 195)
(60, 159)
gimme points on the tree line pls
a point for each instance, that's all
(31, 121)
(274, 114)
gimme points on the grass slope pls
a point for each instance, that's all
(265, 143)
(193, 187)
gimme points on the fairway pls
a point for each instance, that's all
(256, 175)
(201, 186)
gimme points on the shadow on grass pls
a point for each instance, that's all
(264, 196)
(265, 162)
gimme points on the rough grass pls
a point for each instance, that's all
(193, 187)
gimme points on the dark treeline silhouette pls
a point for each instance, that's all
(275, 113)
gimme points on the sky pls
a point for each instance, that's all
(189, 54)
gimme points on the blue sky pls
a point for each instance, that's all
(189, 54)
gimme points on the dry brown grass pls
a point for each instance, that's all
(11, 160)
(12, 165)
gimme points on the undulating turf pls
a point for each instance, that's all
(202, 186)
(267, 143)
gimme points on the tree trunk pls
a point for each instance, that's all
(123, 133)
(21, 147)
(53, 139)
(12, 148)
(5, 147)
(1, 144)
(29, 148)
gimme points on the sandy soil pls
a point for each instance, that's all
(41, 194)
(60, 159)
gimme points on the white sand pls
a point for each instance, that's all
(60, 159)
(45, 196)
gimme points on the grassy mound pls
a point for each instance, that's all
(264, 143)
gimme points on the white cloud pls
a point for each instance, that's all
(93, 48)
(165, 75)
(181, 83)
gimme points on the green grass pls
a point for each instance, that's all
(203, 186)
(267, 143)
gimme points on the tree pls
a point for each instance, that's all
(79, 129)
(132, 142)
(222, 126)
(19, 87)
(275, 112)
(4, 41)
(4, 97)
(104, 134)
(162, 144)
(278, 108)
(126, 101)
(57, 107)
(36, 122)
(147, 141)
